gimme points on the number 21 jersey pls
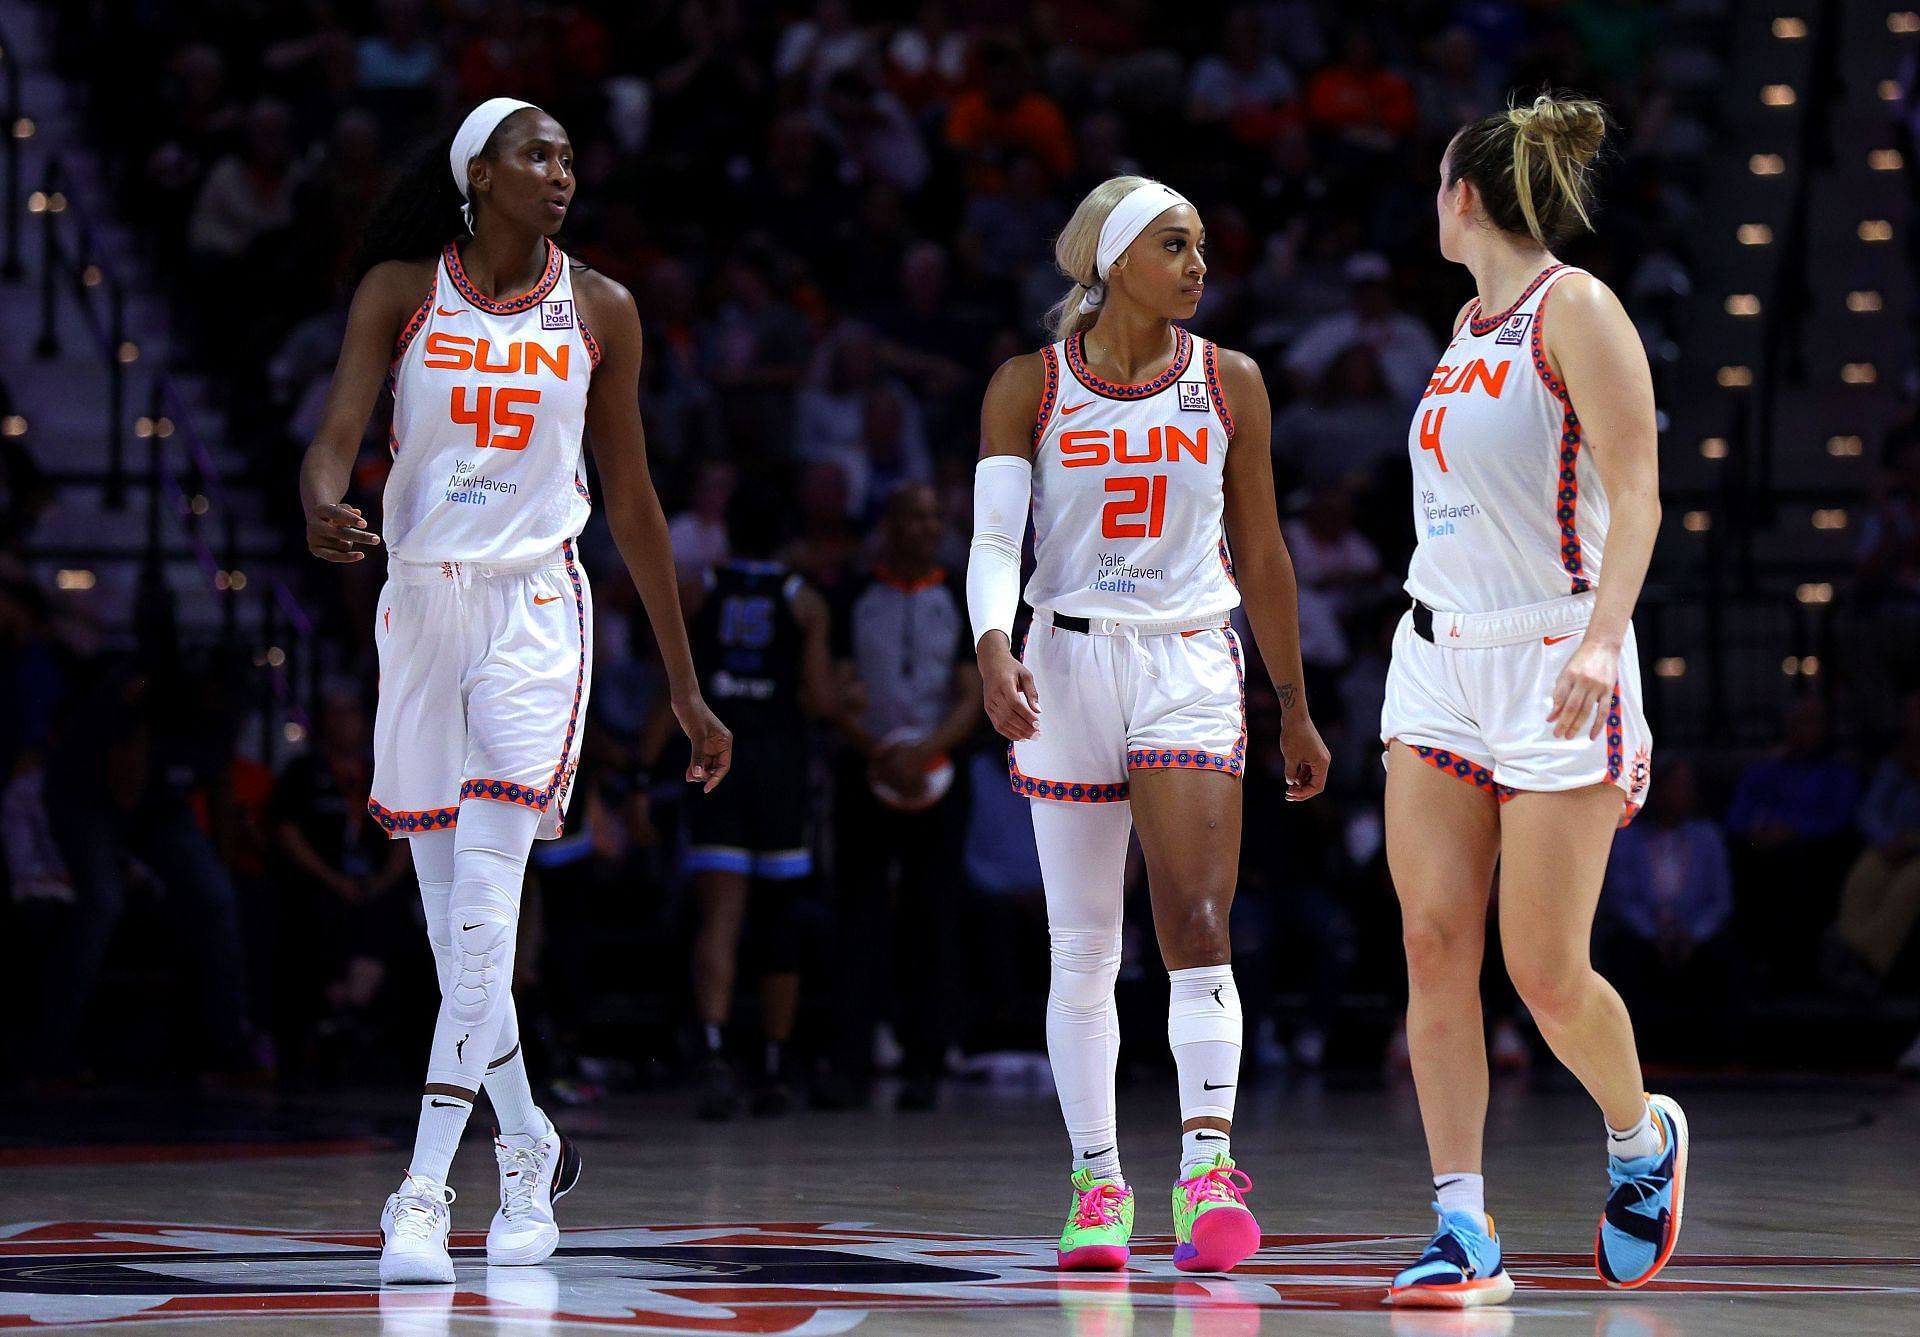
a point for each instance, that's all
(1128, 495)
(489, 408)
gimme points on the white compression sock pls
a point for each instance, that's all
(1204, 1031)
(508, 1089)
(1459, 1191)
(1630, 1144)
(491, 845)
(1083, 855)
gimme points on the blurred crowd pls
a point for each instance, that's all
(837, 220)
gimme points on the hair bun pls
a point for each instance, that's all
(1575, 126)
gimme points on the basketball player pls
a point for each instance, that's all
(762, 633)
(1127, 705)
(1513, 723)
(500, 353)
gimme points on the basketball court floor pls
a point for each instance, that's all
(1803, 1216)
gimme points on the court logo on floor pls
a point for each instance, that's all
(779, 1277)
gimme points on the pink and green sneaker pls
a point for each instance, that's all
(1099, 1225)
(1212, 1229)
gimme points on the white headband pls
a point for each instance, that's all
(475, 131)
(1129, 219)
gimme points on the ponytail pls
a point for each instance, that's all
(1533, 165)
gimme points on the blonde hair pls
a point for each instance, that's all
(1077, 251)
(1533, 165)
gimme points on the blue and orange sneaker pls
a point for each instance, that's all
(1642, 1221)
(1460, 1268)
(1212, 1229)
(1099, 1226)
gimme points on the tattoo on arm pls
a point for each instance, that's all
(1287, 695)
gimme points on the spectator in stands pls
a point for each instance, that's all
(398, 65)
(906, 655)
(926, 62)
(1348, 423)
(1243, 88)
(834, 415)
(1791, 822)
(827, 546)
(699, 533)
(1880, 902)
(873, 134)
(346, 913)
(1454, 89)
(1669, 900)
(1367, 111)
(247, 194)
(1886, 631)
(815, 50)
(1405, 347)
(1004, 120)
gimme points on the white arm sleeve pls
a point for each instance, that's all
(1002, 491)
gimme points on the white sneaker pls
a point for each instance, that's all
(413, 1229)
(535, 1172)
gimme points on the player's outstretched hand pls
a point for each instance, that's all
(1306, 756)
(339, 533)
(1013, 701)
(712, 743)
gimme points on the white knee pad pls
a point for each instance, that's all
(433, 866)
(483, 920)
(1086, 963)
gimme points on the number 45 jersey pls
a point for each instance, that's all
(1128, 503)
(490, 404)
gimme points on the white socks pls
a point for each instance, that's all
(1462, 1192)
(1630, 1144)
(443, 1118)
(491, 844)
(1204, 1031)
(1083, 852)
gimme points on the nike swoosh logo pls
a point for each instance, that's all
(1216, 1086)
(1208, 1137)
(443, 311)
(550, 599)
(1555, 640)
(1066, 411)
(468, 928)
(1089, 1155)
(444, 1104)
(1446, 1183)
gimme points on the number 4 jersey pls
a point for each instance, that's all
(1507, 506)
(1128, 503)
(489, 407)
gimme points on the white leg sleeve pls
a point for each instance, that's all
(1083, 855)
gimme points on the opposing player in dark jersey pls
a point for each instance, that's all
(759, 633)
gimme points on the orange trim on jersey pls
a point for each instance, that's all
(1049, 394)
(415, 323)
(586, 337)
(1482, 328)
(1210, 361)
(1567, 485)
(512, 305)
(1077, 364)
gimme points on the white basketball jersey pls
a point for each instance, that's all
(1507, 507)
(1128, 506)
(489, 407)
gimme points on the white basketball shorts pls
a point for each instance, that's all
(1114, 701)
(484, 671)
(1473, 702)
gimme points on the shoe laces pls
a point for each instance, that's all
(1646, 1184)
(1223, 1183)
(519, 1177)
(420, 1208)
(1098, 1206)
